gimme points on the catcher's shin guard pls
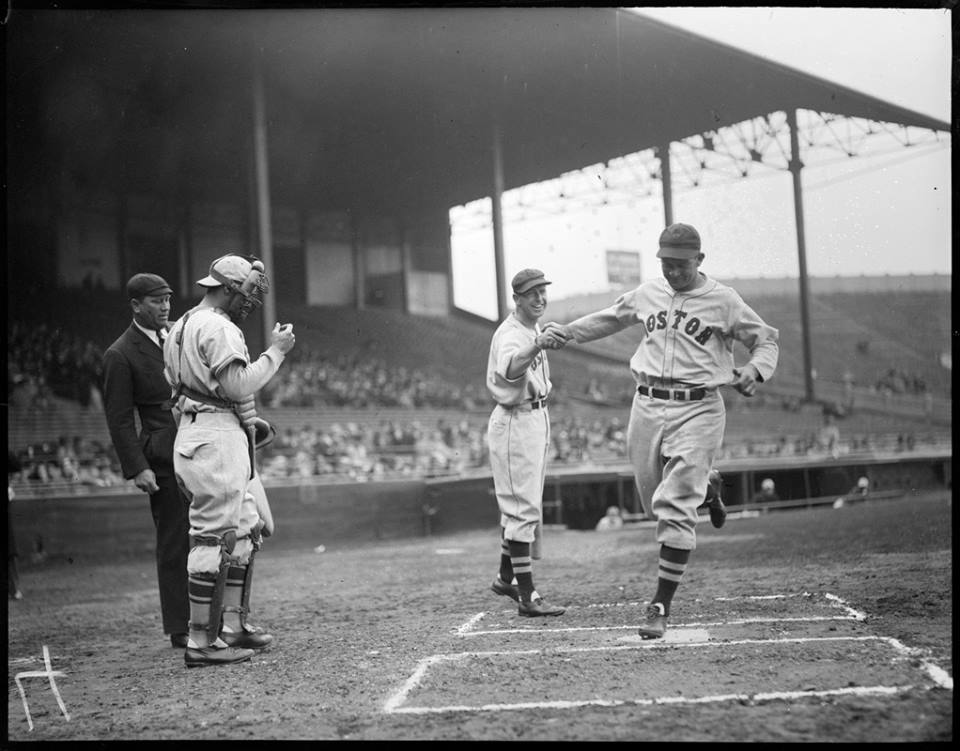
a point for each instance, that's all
(216, 601)
(204, 586)
(241, 578)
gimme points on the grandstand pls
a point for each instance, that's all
(453, 350)
(858, 335)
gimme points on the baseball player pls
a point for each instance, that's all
(518, 435)
(134, 384)
(689, 325)
(214, 385)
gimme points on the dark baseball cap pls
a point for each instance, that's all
(141, 285)
(526, 280)
(679, 241)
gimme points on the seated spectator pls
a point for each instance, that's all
(857, 493)
(767, 492)
(613, 519)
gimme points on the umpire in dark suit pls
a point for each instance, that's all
(134, 381)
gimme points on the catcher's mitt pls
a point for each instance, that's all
(263, 433)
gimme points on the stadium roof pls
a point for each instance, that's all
(382, 109)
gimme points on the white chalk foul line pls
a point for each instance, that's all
(748, 698)
(833, 599)
(835, 602)
(51, 675)
(463, 628)
(465, 632)
(845, 606)
(393, 704)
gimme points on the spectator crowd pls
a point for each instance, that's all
(896, 381)
(45, 362)
(349, 381)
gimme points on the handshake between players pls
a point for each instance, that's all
(554, 336)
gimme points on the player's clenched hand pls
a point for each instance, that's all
(745, 380)
(146, 480)
(557, 330)
(550, 340)
(282, 337)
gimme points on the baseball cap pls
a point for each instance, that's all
(141, 285)
(232, 267)
(679, 241)
(526, 280)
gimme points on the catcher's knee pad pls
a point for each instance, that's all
(243, 551)
(206, 552)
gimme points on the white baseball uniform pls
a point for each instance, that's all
(518, 431)
(678, 417)
(211, 453)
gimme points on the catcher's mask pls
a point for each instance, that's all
(246, 279)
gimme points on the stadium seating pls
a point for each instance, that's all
(447, 355)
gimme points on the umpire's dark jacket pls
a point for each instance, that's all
(133, 378)
(133, 381)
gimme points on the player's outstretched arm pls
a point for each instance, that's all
(597, 325)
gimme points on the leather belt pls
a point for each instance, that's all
(680, 395)
(523, 406)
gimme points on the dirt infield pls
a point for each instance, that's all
(819, 625)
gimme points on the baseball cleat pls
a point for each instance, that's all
(507, 590)
(713, 502)
(250, 638)
(655, 625)
(537, 607)
(198, 657)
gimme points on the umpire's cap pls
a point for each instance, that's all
(141, 285)
(679, 241)
(526, 280)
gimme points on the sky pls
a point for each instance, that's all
(887, 212)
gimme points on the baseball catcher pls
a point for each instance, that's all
(214, 384)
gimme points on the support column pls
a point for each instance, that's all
(359, 266)
(666, 183)
(497, 217)
(264, 227)
(795, 166)
(406, 263)
(123, 246)
(185, 250)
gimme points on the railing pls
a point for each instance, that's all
(885, 449)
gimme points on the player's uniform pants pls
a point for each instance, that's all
(519, 440)
(211, 459)
(672, 446)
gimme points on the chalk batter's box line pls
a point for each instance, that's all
(394, 705)
(468, 628)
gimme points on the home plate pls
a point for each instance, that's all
(673, 636)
